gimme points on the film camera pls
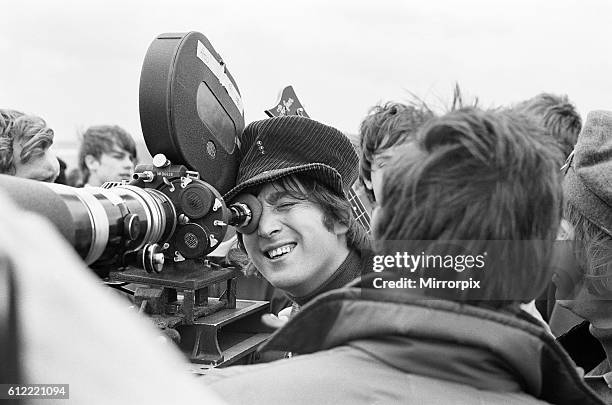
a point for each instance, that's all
(157, 230)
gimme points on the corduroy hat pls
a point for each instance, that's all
(588, 180)
(277, 147)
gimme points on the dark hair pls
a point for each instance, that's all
(27, 130)
(61, 178)
(101, 139)
(391, 124)
(336, 209)
(386, 126)
(558, 115)
(478, 176)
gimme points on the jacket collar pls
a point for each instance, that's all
(350, 269)
(531, 359)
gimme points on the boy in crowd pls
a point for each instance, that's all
(473, 176)
(25, 147)
(385, 127)
(307, 241)
(107, 153)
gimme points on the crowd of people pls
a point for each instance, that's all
(528, 183)
(106, 152)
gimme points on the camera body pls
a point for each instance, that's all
(194, 213)
(190, 107)
(192, 117)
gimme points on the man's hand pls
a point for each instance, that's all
(277, 321)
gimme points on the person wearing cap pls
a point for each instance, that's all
(586, 288)
(475, 176)
(307, 241)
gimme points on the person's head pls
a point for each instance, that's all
(477, 176)
(300, 171)
(558, 115)
(107, 153)
(385, 127)
(586, 288)
(25, 142)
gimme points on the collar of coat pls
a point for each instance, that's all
(354, 265)
(367, 319)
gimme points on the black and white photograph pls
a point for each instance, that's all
(315, 202)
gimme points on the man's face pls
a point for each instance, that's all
(43, 167)
(291, 247)
(116, 165)
(586, 297)
(379, 163)
(407, 152)
(590, 300)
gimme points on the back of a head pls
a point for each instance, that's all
(7, 120)
(558, 115)
(477, 176)
(29, 131)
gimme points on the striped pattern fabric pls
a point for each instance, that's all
(281, 146)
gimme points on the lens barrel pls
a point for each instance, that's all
(100, 223)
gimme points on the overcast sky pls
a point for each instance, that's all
(77, 63)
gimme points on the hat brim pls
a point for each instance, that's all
(321, 172)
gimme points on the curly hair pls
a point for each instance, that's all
(29, 131)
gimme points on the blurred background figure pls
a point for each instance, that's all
(107, 153)
(25, 147)
(74, 177)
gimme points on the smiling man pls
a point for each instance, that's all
(107, 153)
(25, 142)
(307, 241)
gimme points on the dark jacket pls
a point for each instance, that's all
(600, 378)
(376, 347)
